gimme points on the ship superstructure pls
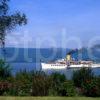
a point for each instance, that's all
(67, 63)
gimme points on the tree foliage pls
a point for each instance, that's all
(9, 21)
(5, 74)
(5, 71)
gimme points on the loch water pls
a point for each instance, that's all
(31, 58)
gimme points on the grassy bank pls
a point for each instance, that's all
(48, 98)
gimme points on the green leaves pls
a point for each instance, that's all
(4, 7)
(5, 71)
(9, 21)
(23, 83)
(85, 80)
(41, 84)
(81, 75)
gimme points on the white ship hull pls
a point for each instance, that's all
(47, 66)
(53, 66)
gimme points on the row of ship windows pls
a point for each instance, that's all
(57, 65)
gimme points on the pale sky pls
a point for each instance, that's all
(51, 23)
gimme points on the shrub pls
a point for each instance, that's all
(5, 74)
(52, 92)
(88, 84)
(68, 89)
(40, 84)
(92, 87)
(5, 71)
(80, 76)
(23, 83)
(57, 84)
(61, 86)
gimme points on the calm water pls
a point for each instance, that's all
(32, 66)
(30, 59)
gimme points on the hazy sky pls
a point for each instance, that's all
(55, 22)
